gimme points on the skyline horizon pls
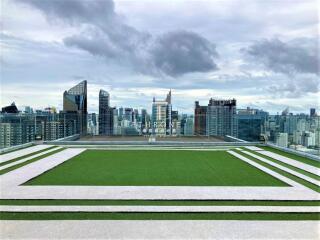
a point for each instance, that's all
(158, 99)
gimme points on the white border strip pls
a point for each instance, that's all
(304, 177)
(29, 158)
(19, 153)
(34, 169)
(292, 162)
(253, 148)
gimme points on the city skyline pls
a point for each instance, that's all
(52, 51)
(219, 118)
(149, 107)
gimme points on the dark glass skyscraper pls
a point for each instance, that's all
(105, 114)
(249, 125)
(75, 105)
(200, 120)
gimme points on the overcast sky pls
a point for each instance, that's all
(264, 53)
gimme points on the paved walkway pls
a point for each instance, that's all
(302, 176)
(159, 193)
(29, 158)
(253, 148)
(186, 229)
(278, 209)
(292, 162)
(22, 152)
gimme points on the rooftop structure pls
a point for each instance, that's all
(10, 109)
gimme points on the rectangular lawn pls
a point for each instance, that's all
(155, 168)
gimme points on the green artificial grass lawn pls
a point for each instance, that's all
(292, 156)
(155, 216)
(155, 168)
(78, 202)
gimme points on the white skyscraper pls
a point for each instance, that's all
(282, 139)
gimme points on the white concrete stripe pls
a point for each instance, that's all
(253, 148)
(22, 152)
(267, 170)
(309, 179)
(158, 193)
(28, 158)
(292, 162)
(163, 229)
(282, 209)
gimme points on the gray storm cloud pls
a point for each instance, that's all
(176, 53)
(108, 36)
(296, 63)
(281, 57)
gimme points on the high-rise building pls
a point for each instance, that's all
(5, 135)
(282, 139)
(93, 120)
(200, 119)
(28, 110)
(297, 137)
(189, 126)
(105, 114)
(136, 116)
(161, 116)
(128, 114)
(121, 112)
(176, 123)
(169, 114)
(144, 123)
(16, 129)
(250, 124)
(75, 102)
(313, 112)
(308, 139)
(115, 130)
(221, 118)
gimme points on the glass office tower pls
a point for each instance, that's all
(105, 114)
(75, 106)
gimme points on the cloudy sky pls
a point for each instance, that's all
(264, 53)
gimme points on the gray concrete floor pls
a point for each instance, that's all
(187, 229)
